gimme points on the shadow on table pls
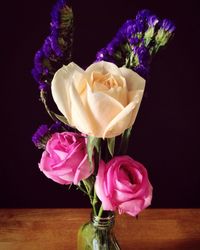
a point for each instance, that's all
(187, 244)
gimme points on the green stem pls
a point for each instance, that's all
(93, 198)
(83, 190)
(100, 211)
(94, 202)
(88, 192)
(43, 98)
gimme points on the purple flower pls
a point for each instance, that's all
(134, 40)
(143, 14)
(129, 28)
(141, 20)
(152, 20)
(140, 24)
(164, 33)
(112, 46)
(142, 70)
(55, 44)
(37, 76)
(47, 49)
(41, 136)
(55, 13)
(57, 127)
(41, 71)
(56, 49)
(142, 53)
(102, 55)
(38, 59)
(137, 41)
(44, 133)
(167, 25)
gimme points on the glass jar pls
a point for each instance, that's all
(98, 234)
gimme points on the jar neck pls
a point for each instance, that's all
(105, 221)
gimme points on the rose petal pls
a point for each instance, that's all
(123, 196)
(133, 80)
(104, 67)
(81, 117)
(120, 122)
(132, 207)
(61, 82)
(83, 171)
(103, 109)
(51, 176)
(106, 203)
(101, 83)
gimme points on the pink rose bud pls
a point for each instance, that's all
(123, 184)
(65, 158)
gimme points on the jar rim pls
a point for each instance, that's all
(103, 221)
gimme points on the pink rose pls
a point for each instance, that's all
(123, 184)
(65, 158)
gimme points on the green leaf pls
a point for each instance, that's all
(124, 141)
(61, 118)
(54, 116)
(89, 185)
(93, 143)
(111, 145)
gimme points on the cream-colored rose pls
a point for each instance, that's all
(101, 101)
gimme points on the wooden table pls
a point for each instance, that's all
(56, 229)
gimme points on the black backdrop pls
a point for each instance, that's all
(166, 132)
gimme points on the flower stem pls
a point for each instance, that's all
(88, 191)
(43, 99)
(82, 189)
(94, 202)
(100, 211)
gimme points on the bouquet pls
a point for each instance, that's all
(94, 110)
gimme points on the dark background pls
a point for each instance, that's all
(166, 133)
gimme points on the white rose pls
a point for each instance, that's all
(101, 101)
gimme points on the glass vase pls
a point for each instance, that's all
(98, 234)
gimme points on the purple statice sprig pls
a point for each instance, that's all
(164, 33)
(57, 47)
(41, 136)
(55, 52)
(44, 133)
(137, 41)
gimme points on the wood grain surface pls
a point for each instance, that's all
(56, 229)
